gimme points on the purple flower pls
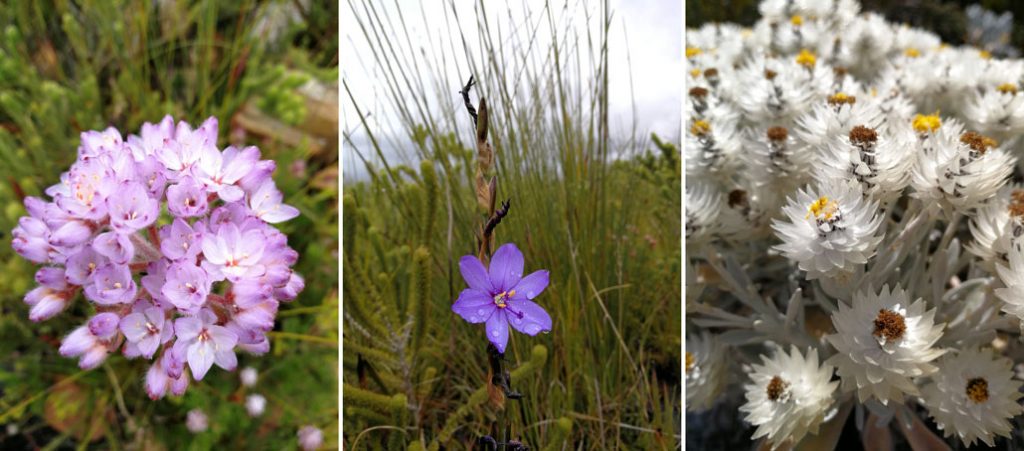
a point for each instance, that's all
(83, 265)
(186, 198)
(82, 343)
(501, 296)
(132, 208)
(266, 204)
(95, 143)
(145, 331)
(104, 325)
(179, 240)
(233, 253)
(196, 421)
(111, 284)
(115, 246)
(186, 287)
(45, 303)
(32, 239)
(206, 343)
(220, 172)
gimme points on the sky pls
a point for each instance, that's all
(645, 50)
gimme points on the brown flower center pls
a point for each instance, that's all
(861, 135)
(770, 74)
(776, 388)
(1017, 203)
(978, 142)
(890, 325)
(777, 134)
(737, 197)
(698, 92)
(977, 390)
(690, 361)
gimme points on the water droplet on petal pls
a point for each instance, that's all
(494, 333)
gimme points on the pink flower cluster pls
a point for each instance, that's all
(187, 286)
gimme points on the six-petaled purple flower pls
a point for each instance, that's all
(188, 290)
(500, 296)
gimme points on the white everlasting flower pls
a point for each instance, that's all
(789, 396)
(997, 112)
(957, 170)
(705, 371)
(879, 163)
(973, 396)
(255, 404)
(711, 149)
(777, 161)
(836, 116)
(1012, 276)
(703, 206)
(829, 230)
(998, 225)
(775, 91)
(884, 341)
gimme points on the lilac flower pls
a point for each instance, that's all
(115, 246)
(233, 253)
(186, 287)
(132, 208)
(179, 240)
(206, 343)
(220, 172)
(186, 198)
(153, 286)
(266, 204)
(501, 296)
(111, 284)
(145, 331)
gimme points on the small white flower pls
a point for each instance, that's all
(310, 438)
(973, 396)
(705, 371)
(789, 396)
(998, 112)
(882, 342)
(830, 230)
(196, 421)
(703, 206)
(248, 375)
(255, 404)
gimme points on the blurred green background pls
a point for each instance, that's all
(268, 70)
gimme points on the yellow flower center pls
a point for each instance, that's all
(912, 52)
(806, 58)
(977, 390)
(822, 208)
(841, 99)
(797, 20)
(693, 51)
(501, 300)
(694, 73)
(985, 54)
(690, 361)
(700, 128)
(926, 124)
(1007, 88)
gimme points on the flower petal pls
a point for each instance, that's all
(528, 317)
(474, 305)
(506, 267)
(475, 273)
(497, 330)
(532, 285)
(200, 359)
